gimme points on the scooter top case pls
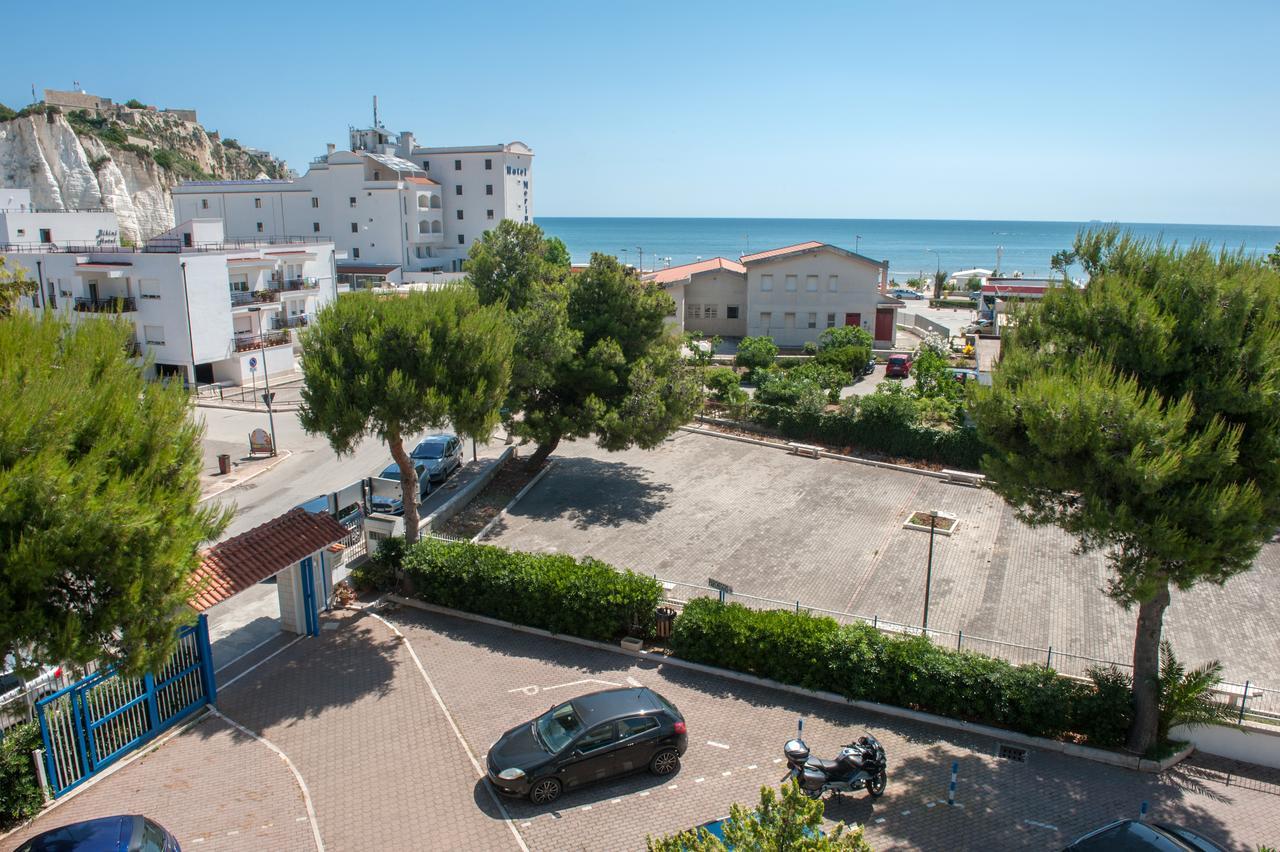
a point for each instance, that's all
(796, 751)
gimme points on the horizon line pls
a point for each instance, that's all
(913, 219)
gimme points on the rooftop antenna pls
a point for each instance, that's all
(375, 112)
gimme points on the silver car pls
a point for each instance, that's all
(441, 454)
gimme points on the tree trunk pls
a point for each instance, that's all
(539, 457)
(1146, 670)
(408, 487)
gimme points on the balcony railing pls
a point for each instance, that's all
(241, 297)
(116, 305)
(250, 342)
(296, 284)
(164, 245)
(297, 321)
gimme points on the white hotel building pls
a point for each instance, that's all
(201, 305)
(396, 210)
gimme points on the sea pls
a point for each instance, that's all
(913, 247)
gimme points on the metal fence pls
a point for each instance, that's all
(1246, 701)
(21, 707)
(91, 723)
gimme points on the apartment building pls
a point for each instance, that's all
(790, 294)
(203, 307)
(23, 225)
(397, 210)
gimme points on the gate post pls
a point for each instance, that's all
(50, 771)
(153, 712)
(206, 660)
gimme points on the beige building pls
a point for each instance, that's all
(790, 294)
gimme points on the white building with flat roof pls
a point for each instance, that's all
(385, 202)
(202, 306)
(24, 225)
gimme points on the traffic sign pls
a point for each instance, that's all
(253, 364)
(268, 397)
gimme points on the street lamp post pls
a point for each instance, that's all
(857, 241)
(641, 261)
(937, 285)
(928, 574)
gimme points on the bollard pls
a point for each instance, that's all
(1142, 812)
(959, 639)
(951, 791)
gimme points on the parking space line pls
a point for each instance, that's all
(260, 662)
(1040, 824)
(502, 809)
(716, 745)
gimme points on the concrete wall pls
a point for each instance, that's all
(1255, 745)
(718, 290)
(826, 284)
(75, 228)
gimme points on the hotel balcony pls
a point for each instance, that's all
(250, 342)
(240, 298)
(116, 305)
(293, 284)
(296, 321)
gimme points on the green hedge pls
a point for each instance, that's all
(20, 797)
(958, 448)
(861, 663)
(556, 592)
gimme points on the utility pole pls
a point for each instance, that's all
(928, 576)
(641, 250)
(857, 241)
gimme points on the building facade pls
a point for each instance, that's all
(202, 307)
(22, 225)
(384, 202)
(790, 294)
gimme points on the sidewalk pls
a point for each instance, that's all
(243, 468)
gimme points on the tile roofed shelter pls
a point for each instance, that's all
(291, 546)
(683, 272)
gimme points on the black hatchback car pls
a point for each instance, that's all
(589, 738)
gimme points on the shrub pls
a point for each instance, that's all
(890, 407)
(754, 352)
(1103, 710)
(7, 114)
(134, 103)
(20, 797)
(721, 381)
(554, 591)
(846, 358)
(810, 347)
(231, 143)
(841, 336)
(378, 572)
(861, 663)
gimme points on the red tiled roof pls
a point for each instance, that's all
(238, 563)
(679, 273)
(427, 181)
(798, 247)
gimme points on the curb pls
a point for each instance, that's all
(514, 500)
(227, 486)
(465, 494)
(226, 406)
(1095, 755)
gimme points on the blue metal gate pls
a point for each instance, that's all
(98, 719)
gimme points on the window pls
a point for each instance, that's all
(377, 175)
(692, 311)
(457, 165)
(257, 202)
(204, 204)
(355, 252)
(259, 227)
(426, 165)
(315, 227)
(636, 725)
(457, 190)
(46, 235)
(788, 321)
(153, 334)
(792, 283)
(766, 283)
(353, 201)
(424, 227)
(459, 214)
(462, 241)
(355, 227)
(239, 283)
(315, 202)
(813, 318)
(811, 283)
(766, 320)
(833, 283)
(488, 164)
(831, 320)
(731, 312)
(488, 214)
(22, 232)
(710, 311)
(488, 189)
(596, 738)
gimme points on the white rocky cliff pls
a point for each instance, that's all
(125, 162)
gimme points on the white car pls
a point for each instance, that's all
(902, 293)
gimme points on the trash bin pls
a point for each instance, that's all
(224, 463)
(666, 616)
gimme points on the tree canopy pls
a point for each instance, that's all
(593, 354)
(14, 284)
(1142, 416)
(100, 516)
(392, 366)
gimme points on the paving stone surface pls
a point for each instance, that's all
(829, 533)
(493, 678)
(211, 786)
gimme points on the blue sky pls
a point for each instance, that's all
(1133, 111)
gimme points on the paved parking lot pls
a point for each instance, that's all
(829, 533)
(382, 732)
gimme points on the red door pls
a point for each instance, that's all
(853, 319)
(884, 324)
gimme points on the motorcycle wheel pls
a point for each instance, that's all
(876, 785)
(812, 794)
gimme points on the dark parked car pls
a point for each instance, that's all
(105, 834)
(589, 738)
(868, 368)
(898, 367)
(1130, 834)
(388, 505)
(442, 454)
